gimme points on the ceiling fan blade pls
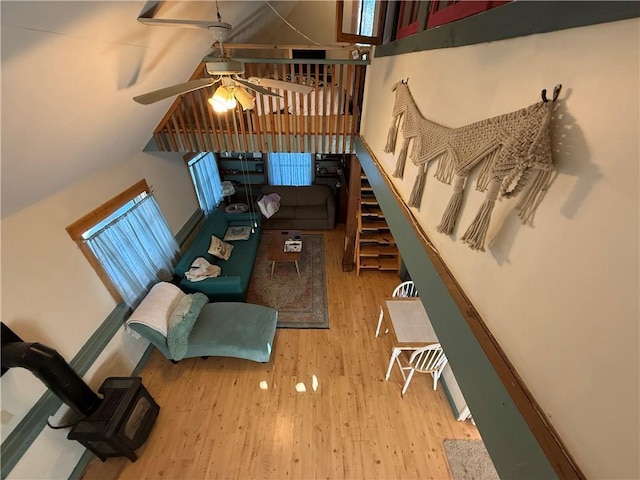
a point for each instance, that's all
(167, 22)
(256, 88)
(172, 91)
(290, 86)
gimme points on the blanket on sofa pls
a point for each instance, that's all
(232, 283)
(201, 269)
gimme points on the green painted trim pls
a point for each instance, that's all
(99, 339)
(25, 433)
(82, 464)
(515, 19)
(447, 394)
(77, 472)
(151, 146)
(513, 447)
(188, 227)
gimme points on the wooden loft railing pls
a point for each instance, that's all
(323, 121)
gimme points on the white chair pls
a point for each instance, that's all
(405, 289)
(430, 359)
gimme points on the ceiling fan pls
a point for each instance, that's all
(221, 69)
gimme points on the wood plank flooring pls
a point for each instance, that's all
(217, 422)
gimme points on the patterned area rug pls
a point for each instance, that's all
(301, 301)
(469, 460)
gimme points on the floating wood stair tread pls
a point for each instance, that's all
(377, 237)
(369, 210)
(388, 263)
(368, 200)
(374, 224)
(376, 250)
(375, 247)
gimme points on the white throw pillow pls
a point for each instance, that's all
(263, 206)
(220, 249)
(272, 207)
(269, 204)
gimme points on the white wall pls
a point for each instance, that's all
(561, 298)
(50, 293)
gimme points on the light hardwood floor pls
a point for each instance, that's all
(216, 422)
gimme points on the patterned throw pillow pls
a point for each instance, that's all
(181, 322)
(237, 233)
(220, 249)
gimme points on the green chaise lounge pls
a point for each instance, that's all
(221, 329)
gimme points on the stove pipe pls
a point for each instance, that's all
(49, 366)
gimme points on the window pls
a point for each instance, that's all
(411, 18)
(442, 12)
(360, 21)
(206, 180)
(128, 242)
(290, 169)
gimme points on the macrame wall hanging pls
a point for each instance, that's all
(511, 150)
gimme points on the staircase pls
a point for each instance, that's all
(375, 247)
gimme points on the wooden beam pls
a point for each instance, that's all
(351, 227)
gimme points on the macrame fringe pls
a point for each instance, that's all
(418, 187)
(453, 208)
(529, 203)
(390, 147)
(446, 168)
(484, 177)
(476, 234)
(402, 159)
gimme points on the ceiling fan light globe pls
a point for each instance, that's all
(219, 99)
(231, 102)
(219, 108)
(247, 100)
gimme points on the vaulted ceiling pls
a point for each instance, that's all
(70, 70)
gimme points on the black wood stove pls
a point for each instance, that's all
(122, 422)
(112, 426)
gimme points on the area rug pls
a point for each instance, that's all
(469, 460)
(301, 301)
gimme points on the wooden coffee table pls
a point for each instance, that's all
(276, 249)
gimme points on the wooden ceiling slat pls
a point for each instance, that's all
(317, 109)
(349, 87)
(238, 118)
(182, 129)
(205, 119)
(171, 129)
(254, 113)
(355, 114)
(286, 110)
(196, 119)
(332, 70)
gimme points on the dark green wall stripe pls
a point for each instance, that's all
(188, 227)
(515, 19)
(513, 448)
(447, 393)
(24, 434)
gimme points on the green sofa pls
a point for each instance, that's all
(233, 282)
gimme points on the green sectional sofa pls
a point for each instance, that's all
(233, 282)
